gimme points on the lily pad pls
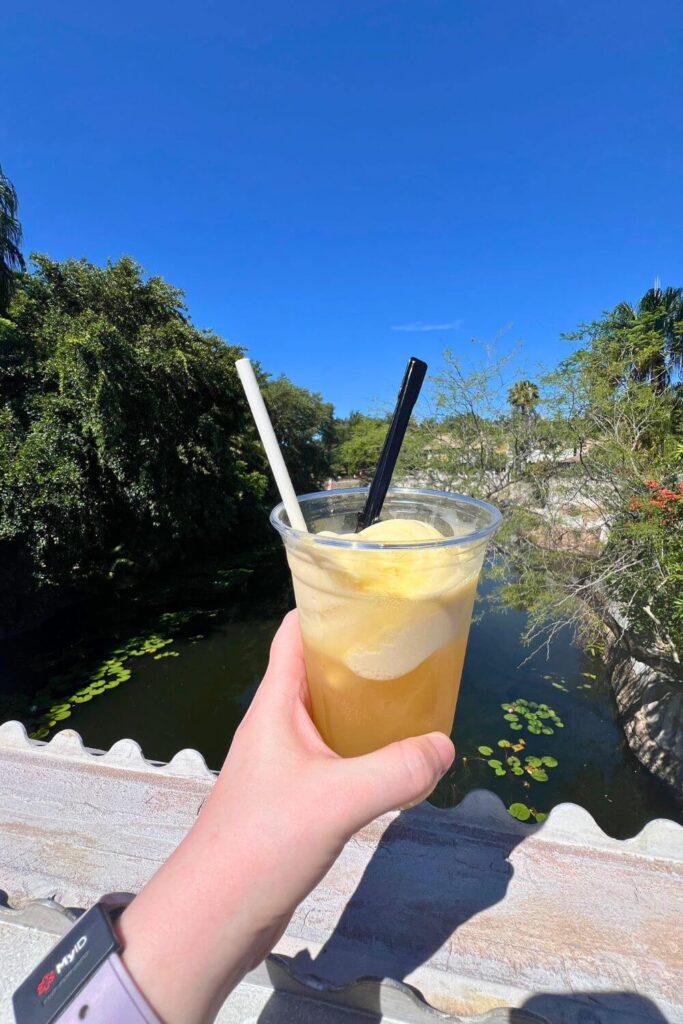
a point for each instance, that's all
(534, 762)
(550, 762)
(516, 725)
(519, 811)
(503, 743)
(486, 751)
(494, 764)
(510, 718)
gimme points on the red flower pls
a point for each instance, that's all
(652, 484)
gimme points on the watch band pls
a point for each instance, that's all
(83, 978)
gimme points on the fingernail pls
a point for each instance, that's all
(444, 748)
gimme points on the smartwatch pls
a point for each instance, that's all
(83, 978)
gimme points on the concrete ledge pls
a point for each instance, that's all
(474, 910)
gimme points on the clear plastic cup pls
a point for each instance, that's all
(385, 626)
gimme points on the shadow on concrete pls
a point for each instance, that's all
(417, 889)
(596, 1008)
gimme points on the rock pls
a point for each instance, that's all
(651, 712)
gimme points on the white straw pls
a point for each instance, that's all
(269, 440)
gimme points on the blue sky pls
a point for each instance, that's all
(318, 174)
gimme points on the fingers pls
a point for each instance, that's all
(394, 776)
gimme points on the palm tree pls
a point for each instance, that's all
(523, 396)
(660, 312)
(666, 304)
(10, 240)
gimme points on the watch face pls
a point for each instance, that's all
(64, 971)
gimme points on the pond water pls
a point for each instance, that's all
(177, 665)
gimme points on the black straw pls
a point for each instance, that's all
(407, 396)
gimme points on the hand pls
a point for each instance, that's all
(279, 815)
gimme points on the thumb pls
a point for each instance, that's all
(393, 776)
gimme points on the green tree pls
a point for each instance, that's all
(359, 452)
(125, 439)
(524, 396)
(11, 258)
(619, 562)
(304, 425)
(644, 341)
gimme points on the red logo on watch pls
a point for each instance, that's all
(46, 983)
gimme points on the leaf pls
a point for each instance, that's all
(500, 771)
(550, 762)
(538, 775)
(517, 771)
(516, 725)
(510, 718)
(534, 762)
(548, 731)
(513, 760)
(519, 811)
(494, 764)
(486, 751)
(540, 816)
(503, 743)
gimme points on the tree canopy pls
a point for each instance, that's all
(125, 440)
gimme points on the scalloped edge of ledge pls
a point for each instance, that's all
(67, 744)
(567, 823)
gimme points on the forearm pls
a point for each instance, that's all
(196, 929)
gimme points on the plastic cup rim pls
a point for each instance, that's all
(288, 532)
